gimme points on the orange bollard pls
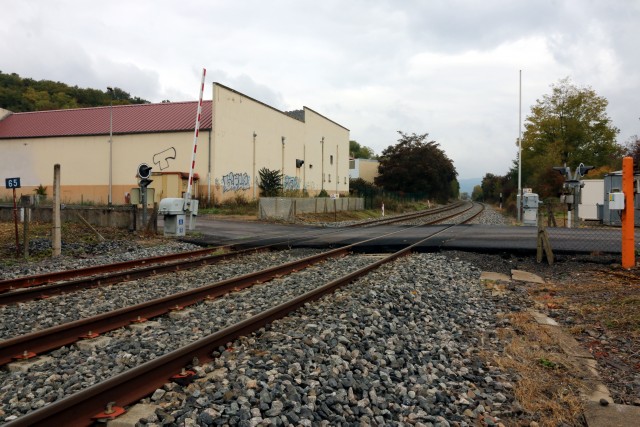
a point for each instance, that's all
(628, 231)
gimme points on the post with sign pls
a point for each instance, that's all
(13, 183)
(144, 173)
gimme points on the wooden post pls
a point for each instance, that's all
(628, 249)
(57, 236)
(15, 222)
(543, 243)
(25, 236)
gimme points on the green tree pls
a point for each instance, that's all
(476, 194)
(358, 151)
(270, 182)
(24, 94)
(569, 126)
(416, 165)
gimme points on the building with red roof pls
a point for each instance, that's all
(238, 136)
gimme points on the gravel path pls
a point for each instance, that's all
(398, 347)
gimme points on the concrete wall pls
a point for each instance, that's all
(287, 208)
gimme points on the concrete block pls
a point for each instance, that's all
(180, 314)
(144, 325)
(524, 276)
(92, 344)
(133, 415)
(26, 365)
(612, 415)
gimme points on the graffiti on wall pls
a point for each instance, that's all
(236, 181)
(162, 158)
(291, 183)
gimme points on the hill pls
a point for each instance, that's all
(19, 94)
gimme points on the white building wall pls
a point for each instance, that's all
(248, 136)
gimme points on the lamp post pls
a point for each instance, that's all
(322, 167)
(283, 164)
(254, 165)
(110, 197)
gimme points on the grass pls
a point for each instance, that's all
(546, 389)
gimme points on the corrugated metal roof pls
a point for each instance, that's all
(139, 118)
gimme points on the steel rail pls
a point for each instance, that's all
(46, 291)
(56, 276)
(405, 217)
(128, 387)
(67, 333)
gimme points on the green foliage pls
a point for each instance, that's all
(359, 187)
(477, 194)
(358, 151)
(632, 149)
(19, 94)
(416, 165)
(270, 182)
(569, 126)
(41, 190)
(323, 193)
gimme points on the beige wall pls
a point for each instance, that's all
(236, 118)
(224, 161)
(366, 169)
(84, 162)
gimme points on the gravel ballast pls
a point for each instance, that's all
(399, 347)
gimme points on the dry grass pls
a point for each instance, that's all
(547, 387)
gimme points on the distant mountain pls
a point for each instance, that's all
(466, 185)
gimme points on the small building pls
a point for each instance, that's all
(238, 136)
(366, 169)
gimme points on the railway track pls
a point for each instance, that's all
(78, 409)
(41, 286)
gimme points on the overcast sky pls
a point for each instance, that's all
(446, 68)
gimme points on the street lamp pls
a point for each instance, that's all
(254, 165)
(283, 138)
(110, 198)
(322, 168)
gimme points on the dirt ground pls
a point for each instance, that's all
(592, 297)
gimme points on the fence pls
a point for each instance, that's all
(288, 208)
(126, 217)
(574, 235)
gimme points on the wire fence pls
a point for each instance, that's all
(572, 233)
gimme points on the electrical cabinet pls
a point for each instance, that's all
(616, 201)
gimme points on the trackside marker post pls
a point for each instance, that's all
(628, 244)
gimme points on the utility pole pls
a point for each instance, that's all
(519, 197)
(110, 198)
(322, 167)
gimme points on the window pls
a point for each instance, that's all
(345, 179)
(329, 177)
(331, 159)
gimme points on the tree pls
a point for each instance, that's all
(632, 149)
(569, 126)
(416, 165)
(270, 182)
(358, 151)
(20, 95)
(476, 194)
